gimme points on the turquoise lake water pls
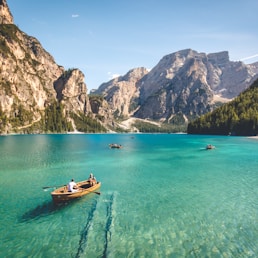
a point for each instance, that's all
(162, 195)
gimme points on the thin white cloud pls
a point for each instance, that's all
(249, 57)
(113, 76)
(75, 15)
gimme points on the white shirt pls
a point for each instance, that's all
(71, 185)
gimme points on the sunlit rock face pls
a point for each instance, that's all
(122, 93)
(185, 82)
(30, 79)
(5, 14)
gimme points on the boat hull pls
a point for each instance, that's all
(115, 146)
(62, 195)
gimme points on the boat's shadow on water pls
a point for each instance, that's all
(49, 208)
(41, 211)
(44, 210)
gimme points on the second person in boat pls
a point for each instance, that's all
(92, 179)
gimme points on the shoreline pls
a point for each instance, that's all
(253, 137)
(78, 132)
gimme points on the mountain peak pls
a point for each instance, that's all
(5, 14)
(219, 58)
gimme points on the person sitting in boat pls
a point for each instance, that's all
(209, 147)
(92, 179)
(72, 186)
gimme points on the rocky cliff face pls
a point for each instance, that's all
(5, 14)
(122, 93)
(71, 89)
(191, 83)
(30, 79)
(183, 85)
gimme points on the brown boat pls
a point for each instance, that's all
(84, 187)
(115, 146)
(210, 147)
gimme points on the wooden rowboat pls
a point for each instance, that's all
(115, 146)
(210, 147)
(62, 195)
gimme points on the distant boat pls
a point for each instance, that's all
(84, 187)
(210, 147)
(115, 146)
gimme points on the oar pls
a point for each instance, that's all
(91, 191)
(96, 193)
(47, 187)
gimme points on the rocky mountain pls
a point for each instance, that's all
(31, 81)
(237, 117)
(38, 95)
(182, 86)
(122, 93)
(5, 14)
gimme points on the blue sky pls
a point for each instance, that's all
(104, 38)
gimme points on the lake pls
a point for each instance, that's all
(162, 195)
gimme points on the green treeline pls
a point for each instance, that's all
(55, 121)
(87, 124)
(146, 127)
(3, 120)
(238, 117)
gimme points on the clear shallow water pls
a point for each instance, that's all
(162, 195)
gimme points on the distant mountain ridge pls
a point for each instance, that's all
(182, 86)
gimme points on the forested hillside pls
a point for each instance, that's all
(238, 117)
